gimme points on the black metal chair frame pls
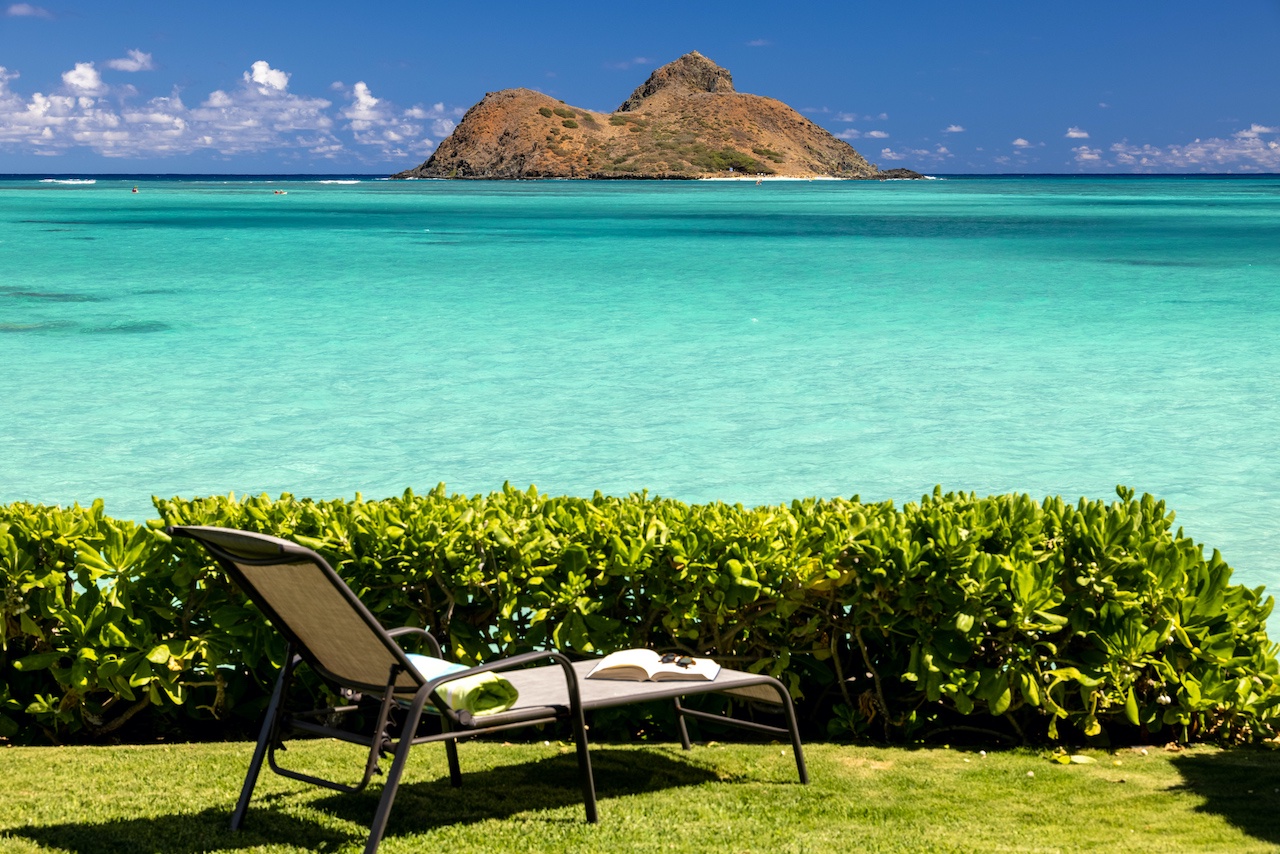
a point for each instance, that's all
(403, 688)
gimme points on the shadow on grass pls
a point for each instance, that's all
(1239, 785)
(184, 833)
(496, 793)
(509, 790)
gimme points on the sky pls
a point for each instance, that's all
(277, 86)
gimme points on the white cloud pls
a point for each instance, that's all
(1254, 131)
(258, 115)
(136, 61)
(84, 79)
(759, 43)
(262, 114)
(268, 79)
(363, 111)
(851, 133)
(918, 155)
(1104, 105)
(1245, 151)
(954, 129)
(1076, 133)
(1085, 154)
(629, 63)
(1021, 143)
(391, 131)
(877, 134)
(846, 116)
(26, 10)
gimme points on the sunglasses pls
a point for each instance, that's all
(676, 659)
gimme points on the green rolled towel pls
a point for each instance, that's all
(481, 694)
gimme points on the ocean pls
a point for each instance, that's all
(702, 341)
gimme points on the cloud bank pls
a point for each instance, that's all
(1245, 151)
(937, 155)
(257, 115)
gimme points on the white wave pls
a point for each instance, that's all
(337, 182)
(68, 181)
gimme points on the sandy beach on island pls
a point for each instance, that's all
(757, 178)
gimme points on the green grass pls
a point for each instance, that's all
(729, 798)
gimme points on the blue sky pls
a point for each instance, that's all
(940, 87)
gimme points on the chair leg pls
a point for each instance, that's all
(451, 750)
(684, 728)
(379, 737)
(790, 710)
(584, 766)
(392, 784)
(265, 737)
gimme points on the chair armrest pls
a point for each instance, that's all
(512, 663)
(414, 630)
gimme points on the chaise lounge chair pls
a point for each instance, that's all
(330, 630)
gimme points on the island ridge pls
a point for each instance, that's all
(685, 121)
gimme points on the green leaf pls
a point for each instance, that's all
(39, 661)
(1022, 582)
(1003, 698)
(1029, 688)
(175, 691)
(1131, 707)
(953, 645)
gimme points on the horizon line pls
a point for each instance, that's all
(387, 175)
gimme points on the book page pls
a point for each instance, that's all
(642, 665)
(634, 664)
(702, 669)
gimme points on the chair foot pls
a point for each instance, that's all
(584, 768)
(455, 770)
(682, 726)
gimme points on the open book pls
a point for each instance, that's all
(645, 665)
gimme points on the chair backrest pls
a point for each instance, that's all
(310, 605)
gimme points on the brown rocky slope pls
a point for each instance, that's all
(685, 121)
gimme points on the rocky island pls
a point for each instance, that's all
(685, 121)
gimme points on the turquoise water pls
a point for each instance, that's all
(702, 341)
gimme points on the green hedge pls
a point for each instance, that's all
(1039, 621)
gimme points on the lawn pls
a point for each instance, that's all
(719, 797)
